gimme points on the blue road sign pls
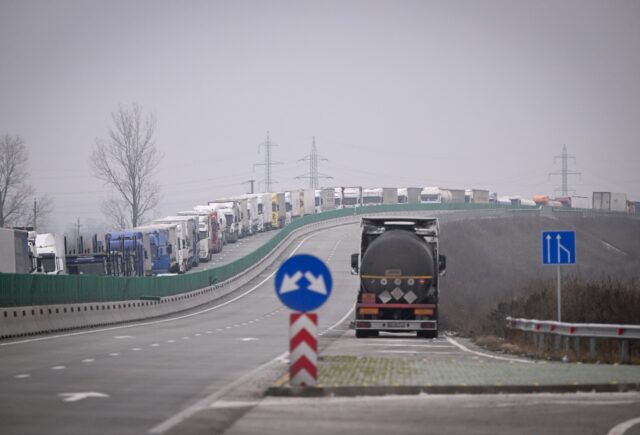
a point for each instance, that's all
(303, 283)
(559, 247)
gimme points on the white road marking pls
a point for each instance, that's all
(170, 319)
(22, 376)
(248, 339)
(621, 428)
(209, 332)
(135, 349)
(198, 335)
(219, 329)
(75, 397)
(120, 337)
(171, 341)
(211, 399)
(486, 355)
(339, 321)
(88, 360)
(155, 345)
(185, 338)
(413, 345)
(58, 368)
(114, 354)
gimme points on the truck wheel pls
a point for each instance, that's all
(361, 334)
(428, 334)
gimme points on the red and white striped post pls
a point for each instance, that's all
(303, 349)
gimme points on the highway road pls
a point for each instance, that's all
(130, 379)
(206, 370)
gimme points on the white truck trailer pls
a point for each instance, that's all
(610, 201)
(14, 251)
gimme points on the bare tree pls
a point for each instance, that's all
(40, 211)
(15, 189)
(126, 161)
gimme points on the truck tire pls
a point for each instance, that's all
(428, 334)
(361, 334)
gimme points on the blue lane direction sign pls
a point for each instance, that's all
(303, 283)
(559, 247)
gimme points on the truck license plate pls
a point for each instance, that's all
(395, 324)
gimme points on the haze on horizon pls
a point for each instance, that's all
(475, 94)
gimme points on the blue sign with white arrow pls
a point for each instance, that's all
(303, 282)
(559, 247)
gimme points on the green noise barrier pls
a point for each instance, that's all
(18, 290)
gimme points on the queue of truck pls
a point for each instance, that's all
(177, 243)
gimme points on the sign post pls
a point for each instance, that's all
(303, 283)
(559, 247)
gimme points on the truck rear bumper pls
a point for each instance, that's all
(397, 325)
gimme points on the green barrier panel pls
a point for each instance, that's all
(26, 290)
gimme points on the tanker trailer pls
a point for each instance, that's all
(399, 266)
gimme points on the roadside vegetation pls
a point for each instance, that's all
(607, 301)
(494, 270)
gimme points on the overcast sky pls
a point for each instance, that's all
(478, 94)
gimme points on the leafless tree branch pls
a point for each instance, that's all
(14, 186)
(127, 161)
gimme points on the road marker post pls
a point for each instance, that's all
(303, 349)
(303, 283)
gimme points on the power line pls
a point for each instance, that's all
(313, 174)
(565, 172)
(268, 163)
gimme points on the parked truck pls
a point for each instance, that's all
(187, 238)
(435, 195)
(610, 201)
(478, 196)
(399, 265)
(49, 254)
(265, 208)
(409, 195)
(231, 212)
(279, 210)
(309, 201)
(351, 197)
(327, 199)
(162, 239)
(14, 251)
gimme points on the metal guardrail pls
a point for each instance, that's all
(537, 329)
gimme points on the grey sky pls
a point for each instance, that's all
(413, 93)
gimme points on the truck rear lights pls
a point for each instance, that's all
(369, 298)
(369, 311)
(423, 311)
(428, 325)
(363, 324)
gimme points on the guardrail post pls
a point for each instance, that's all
(624, 351)
(556, 342)
(541, 340)
(576, 346)
(565, 344)
(592, 347)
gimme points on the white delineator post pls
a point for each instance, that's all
(303, 358)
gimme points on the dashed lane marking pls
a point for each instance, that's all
(58, 368)
(486, 355)
(22, 376)
(114, 354)
(88, 360)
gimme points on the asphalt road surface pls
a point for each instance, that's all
(130, 379)
(205, 371)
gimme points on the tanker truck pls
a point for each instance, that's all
(399, 266)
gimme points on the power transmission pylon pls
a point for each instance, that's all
(313, 174)
(251, 182)
(268, 163)
(565, 172)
